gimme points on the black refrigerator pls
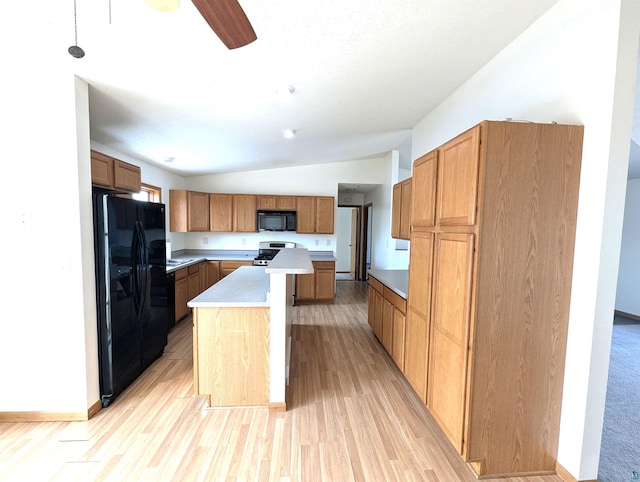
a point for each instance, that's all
(131, 289)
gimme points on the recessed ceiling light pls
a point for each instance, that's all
(289, 133)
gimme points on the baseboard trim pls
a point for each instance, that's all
(39, 416)
(278, 407)
(627, 315)
(567, 477)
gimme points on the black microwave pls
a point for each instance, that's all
(276, 220)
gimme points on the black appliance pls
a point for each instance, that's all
(268, 250)
(131, 289)
(276, 221)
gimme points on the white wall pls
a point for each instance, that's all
(47, 345)
(628, 292)
(343, 239)
(567, 68)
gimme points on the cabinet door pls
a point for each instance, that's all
(396, 207)
(419, 312)
(423, 196)
(221, 212)
(405, 209)
(306, 217)
(101, 169)
(197, 211)
(387, 325)
(325, 207)
(227, 267)
(305, 287)
(371, 306)
(194, 281)
(244, 213)
(325, 283)
(398, 338)
(213, 273)
(266, 202)
(181, 294)
(458, 162)
(286, 203)
(126, 176)
(449, 345)
(378, 315)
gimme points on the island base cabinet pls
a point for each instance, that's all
(231, 355)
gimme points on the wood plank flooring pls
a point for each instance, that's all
(351, 417)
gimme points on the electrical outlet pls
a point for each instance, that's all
(205, 240)
(244, 241)
(328, 242)
(317, 242)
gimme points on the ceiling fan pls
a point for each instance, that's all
(225, 17)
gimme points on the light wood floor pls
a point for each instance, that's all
(351, 417)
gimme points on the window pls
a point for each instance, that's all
(148, 193)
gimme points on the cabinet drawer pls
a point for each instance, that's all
(398, 301)
(324, 265)
(194, 268)
(375, 284)
(234, 264)
(181, 273)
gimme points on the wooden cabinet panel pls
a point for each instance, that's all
(416, 352)
(318, 286)
(423, 198)
(306, 214)
(387, 325)
(325, 284)
(227, 267)
(397, 348)
(181, 293)
(266, 202)
(405, 209)
(101, 170)
(325, 207)
(396, 207)
(221, 212)
(371, 306)
(458, 162)
(126, 177)
(212, 269)
(453, 268)
(305, 287)
(193, 281)
(277, 203)
(378, 315)
(188, 211)
(244, 213)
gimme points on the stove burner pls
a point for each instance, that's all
(268, 251)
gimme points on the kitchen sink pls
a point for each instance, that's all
(177, 262)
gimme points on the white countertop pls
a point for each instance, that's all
(291, 261)
(249, 286)
(395, 279)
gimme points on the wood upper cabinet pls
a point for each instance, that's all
(306, 214)
(499, 287)
(115, 174)
(401, 210)
(221, 212)
(188, 211)
(423, 199)
(277, 203)
(457, 190)
(396, 208)
(315, 214)
(325, 209)
(244, 213)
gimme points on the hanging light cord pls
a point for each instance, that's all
(75, 23)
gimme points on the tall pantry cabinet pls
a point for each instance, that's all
(492, 236)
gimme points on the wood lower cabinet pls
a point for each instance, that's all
(212, 268)
(181, 293)
(489, 286)
(387, 318)
(318, 287)
(227, 267)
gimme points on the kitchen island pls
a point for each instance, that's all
(242, 333)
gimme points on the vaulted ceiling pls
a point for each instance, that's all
(363, 73)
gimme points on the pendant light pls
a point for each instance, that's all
(74, 50)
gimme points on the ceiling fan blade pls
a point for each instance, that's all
(228, 21)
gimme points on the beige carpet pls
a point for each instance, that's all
(620, 453)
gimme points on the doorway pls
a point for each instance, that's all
(353, 242)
